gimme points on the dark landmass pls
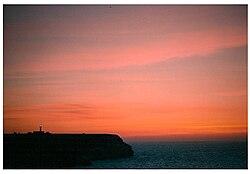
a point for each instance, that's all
(41, 150)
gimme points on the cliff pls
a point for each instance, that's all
(45, 150)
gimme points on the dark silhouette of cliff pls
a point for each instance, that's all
(45, 150)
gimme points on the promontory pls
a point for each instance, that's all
(45, 150)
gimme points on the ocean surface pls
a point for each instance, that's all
(179, 155)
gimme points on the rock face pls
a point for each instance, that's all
(44, 151)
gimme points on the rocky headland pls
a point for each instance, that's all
(45, 150)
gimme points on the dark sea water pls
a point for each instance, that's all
(181, 155)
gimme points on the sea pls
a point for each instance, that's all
(180, 155)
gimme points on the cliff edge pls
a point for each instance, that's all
(45, 150)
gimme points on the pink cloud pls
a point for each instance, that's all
(231, 93)
(175, 45)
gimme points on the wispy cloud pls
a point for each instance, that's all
(83, 111)
(231, 93)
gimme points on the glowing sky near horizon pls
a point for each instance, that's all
(172, 72)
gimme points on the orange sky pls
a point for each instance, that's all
(165, 73)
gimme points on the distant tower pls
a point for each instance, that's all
(40, 131)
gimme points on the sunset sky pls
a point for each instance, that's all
(165, 73)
